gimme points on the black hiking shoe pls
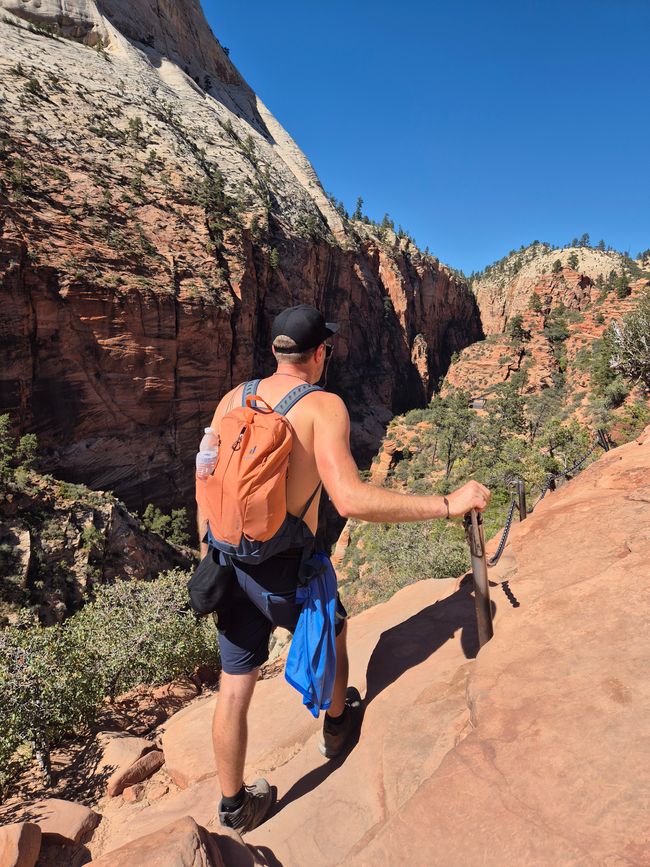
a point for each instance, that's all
(335, 738)
(258, 800)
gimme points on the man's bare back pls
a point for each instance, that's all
(303, 474)
(321, 452)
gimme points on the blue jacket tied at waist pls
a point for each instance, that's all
(311, 664)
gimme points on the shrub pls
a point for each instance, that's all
(143, 632)
(401, 554)
(616, 392)
(557, 266)
(573, 261)
(53, 679)
(556, 328)
(15, 454)
(633, 419)
(172, 527)
(49, 686)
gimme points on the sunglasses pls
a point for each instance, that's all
(329, 349)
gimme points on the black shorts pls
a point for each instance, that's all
(262, 598)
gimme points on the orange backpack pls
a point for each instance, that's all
(245, 497)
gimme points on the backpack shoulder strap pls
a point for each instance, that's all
(296, 394)
(250, 387)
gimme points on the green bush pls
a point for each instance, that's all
(401, 554)
(633, 420)
(556, 328)
(16, 455)
(616, 392)
(143, 632)
(172, 527)
(49, 686)
(53, 679)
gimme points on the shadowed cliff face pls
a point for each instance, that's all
(150, 229)
(118, 382)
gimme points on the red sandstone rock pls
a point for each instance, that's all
(157, 791)
(181, 844)
(20, 844)
(120, 752)
(65, 821)
(173, 696)
(187, 740)
(506, 291)
(133, 794)
(140, 770)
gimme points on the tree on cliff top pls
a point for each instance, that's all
(16, 455)
(631, 343)
(516, 331)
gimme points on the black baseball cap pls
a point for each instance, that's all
(305, 325)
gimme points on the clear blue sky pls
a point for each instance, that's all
(478, 126)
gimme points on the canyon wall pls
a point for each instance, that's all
(504, 289)
(154, 217)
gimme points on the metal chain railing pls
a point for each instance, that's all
(494, 559)
(601, 440)
(476, 541)
(554, 476)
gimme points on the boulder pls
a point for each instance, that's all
(20, 844)
(119, 752)
(65, 821)
(272, 737)
(181, 844)
(529, 752)
(140, 770)
(172, 696)
(133, 794)
(156, 791)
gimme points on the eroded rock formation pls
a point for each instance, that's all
(154, 216)
(59, 542)
(504, 289)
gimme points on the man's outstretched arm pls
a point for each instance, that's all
(356, 499)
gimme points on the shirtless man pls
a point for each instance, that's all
(321, 453)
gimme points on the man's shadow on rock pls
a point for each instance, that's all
(400, 648)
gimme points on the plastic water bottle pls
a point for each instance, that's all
(206, 457)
